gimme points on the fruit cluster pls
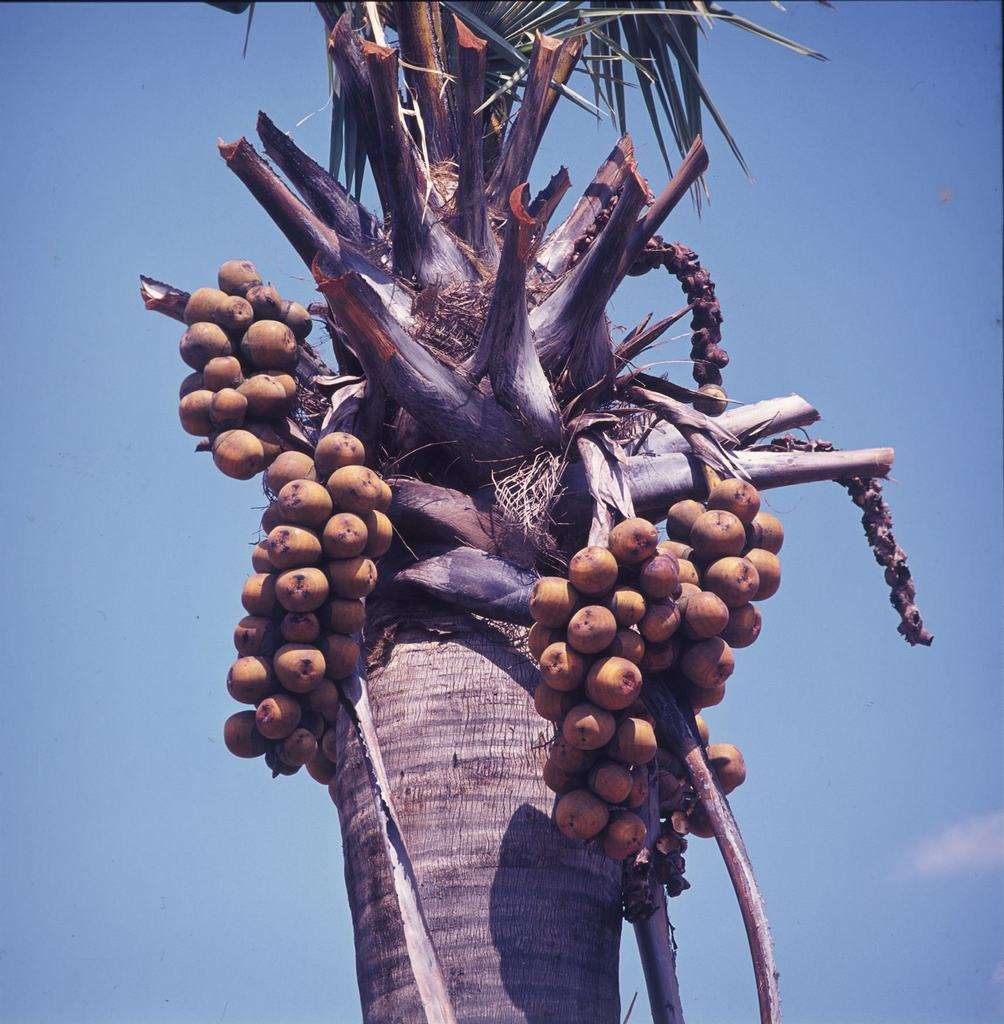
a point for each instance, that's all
(675, 608)
(305, 604)
(242, 345)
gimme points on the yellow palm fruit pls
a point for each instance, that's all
(633, 540)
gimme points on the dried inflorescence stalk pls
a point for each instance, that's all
(877, 520)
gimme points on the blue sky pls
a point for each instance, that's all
(150, 877)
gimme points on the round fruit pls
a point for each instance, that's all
(329, 745)
(735, 496)
(766, 532)
(379, 534)
(299, 667)
(638, 797)
(238, 454)
(258, 595)
(717, 534)
(699, 824)
(228, 409)
(222, 372)
(193, 382)
(287, 467)
(235, 277)
(681, 517)
(254, 634)
(297, 319)
(633, 540)
(624, 836)
(356, 489)
(202, 342)
(193, 411)
(553, 600)
(341, 655)
(269, 345)
(214, 306)
(705, 615)
(627, 605)
(581, 814)
(634, 741)
(675, 547)
(591, 629)
(352, 577)
(345, 534)
(702, 729)
(552, 704)
(270, 517)
(701, 697)
(321, 769)
(713, 401)
(298, 747)
(708, 663)
(768, 568)
(241, 736)
(728, 764)
(588, 727)
(568, 758)
(735, 580)
(266, 395)
(611, 781)
(250, 679)
(342, 615)
(270, 440)
(277, 716)
(304, 502)
(613, 683)
(562, 667)
(592, 570)
(300, 627)
(558, 780)
(628, 644)
(301, 590)
(659, 577)
(661, 621)
(266, 303)
(743, 627)
(336, 450)
(260, 561)
(688, 573)
(292, 547)
(660, 657)
(324, 700)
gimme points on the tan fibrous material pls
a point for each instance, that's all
(633, 540)
(581, 814)
(591, 629)
(593, 570)
(553, 601)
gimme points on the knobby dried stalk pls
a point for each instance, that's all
(866, 493)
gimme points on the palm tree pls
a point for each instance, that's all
(475, 360)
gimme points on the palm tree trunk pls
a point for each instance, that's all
(526, 924)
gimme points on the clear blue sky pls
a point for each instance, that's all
(150, 877)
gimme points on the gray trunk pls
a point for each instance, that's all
(526, 924)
